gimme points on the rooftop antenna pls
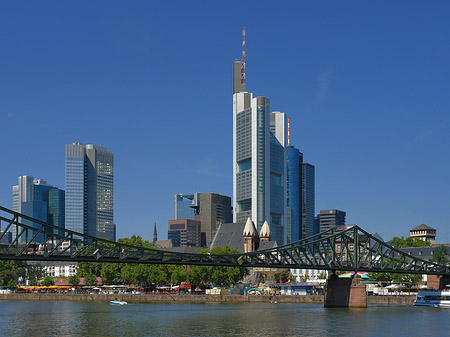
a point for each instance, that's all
(243, 58)
(289, 132)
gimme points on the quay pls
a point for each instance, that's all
(200, 299)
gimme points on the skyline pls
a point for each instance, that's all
(366, 91)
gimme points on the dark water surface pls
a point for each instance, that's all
(23, 318)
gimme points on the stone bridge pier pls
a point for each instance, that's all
(345, 292)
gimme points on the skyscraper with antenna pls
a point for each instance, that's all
(259, 157)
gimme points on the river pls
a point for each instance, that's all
(68, 318)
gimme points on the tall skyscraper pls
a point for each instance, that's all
(90, 190)
(300, 197)
(294, 188)
(259, 157)
(36, 198)
(308, 199)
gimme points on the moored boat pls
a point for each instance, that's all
(433, 298)
(118, 302)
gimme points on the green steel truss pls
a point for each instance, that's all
(352, 249)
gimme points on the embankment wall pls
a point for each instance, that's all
(167, 298)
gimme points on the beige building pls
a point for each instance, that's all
(423, 232)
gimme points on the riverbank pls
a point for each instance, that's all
(201, 299)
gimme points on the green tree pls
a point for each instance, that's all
(11, 272)
(48, 281)
(218, 276)
(86, 268)
(35, 273)
(408, 242)
(111, 273)
(176, 273)
(283, 276)
(440, 254)
(304, 278)
(74, 280)
(90, 280)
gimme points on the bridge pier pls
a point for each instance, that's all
(345, 292)
(437, 282)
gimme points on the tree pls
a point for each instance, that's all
(283, 276)
(111, 272)
(35, 273)
(440, 254)
(408, 242)
(74, 280)
(11, 272)
(90, 280)
(48, 281)
(304, 278)
(218, 276)
(86, 268)
(176, 273)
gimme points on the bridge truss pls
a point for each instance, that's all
(352, 249)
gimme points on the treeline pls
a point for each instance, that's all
(152, 274)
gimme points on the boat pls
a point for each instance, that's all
(118, 302)
(433, 298)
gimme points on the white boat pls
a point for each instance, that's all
(118, 302)
(433, 298)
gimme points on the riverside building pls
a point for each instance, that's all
(90, 190)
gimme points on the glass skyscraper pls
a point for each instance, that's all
(35, 198)
(259, 160)
(90, 190)
(308, 202)
(293, 228)
(300, 197)
(185, 206)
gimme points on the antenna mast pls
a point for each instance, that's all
(289, 131)
(243, 58)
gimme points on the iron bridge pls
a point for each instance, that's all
(352, 249)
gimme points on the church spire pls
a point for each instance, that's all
(155, 235)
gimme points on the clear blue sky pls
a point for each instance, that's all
(366, 85)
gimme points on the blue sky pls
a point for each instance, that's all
(366, 86)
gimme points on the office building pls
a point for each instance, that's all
(39, 200)
(300, 196)
(259, 158)
(90, 190)
(308, 199)
(331, 218)
(186, 206)
(214, 209)
(184, 233)
(211, 209)
(293, 221)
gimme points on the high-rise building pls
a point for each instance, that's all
(36, 198)
(331, 218)
(308, 199)
(211, 209)
(214, 209)
(293, 221)
(301, 196)
(186, 206)
(90, 190)
(259, 158)
(184, 233)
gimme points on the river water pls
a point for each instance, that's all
(66, 318)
